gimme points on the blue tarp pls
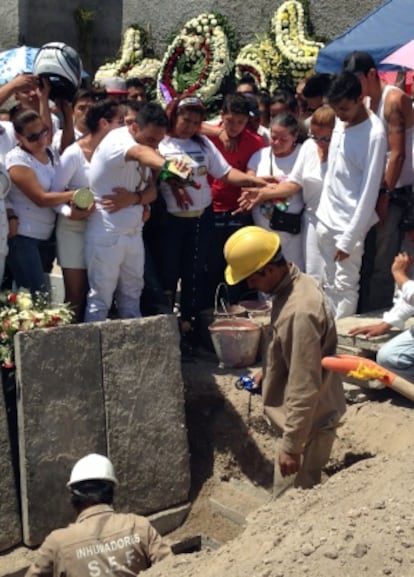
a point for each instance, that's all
(381, 32)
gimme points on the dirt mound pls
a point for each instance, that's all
(359, 522)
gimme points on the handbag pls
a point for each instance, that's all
(284, 221)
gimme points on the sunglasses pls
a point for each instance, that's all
(326, 139)
(37, 135)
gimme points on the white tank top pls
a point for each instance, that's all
(407, 173)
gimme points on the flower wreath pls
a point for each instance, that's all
(261, 60)
(132, 52)
(289, 30)
(197, 60)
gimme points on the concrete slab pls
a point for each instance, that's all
(236, 499)
(61, 418)
(343, 326)
(144, 397)
(10, 526)
(170, 519)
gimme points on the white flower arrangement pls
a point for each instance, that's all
(288, 28)
(196, 62)
(132, 53)
(261, 60)
(147, 68)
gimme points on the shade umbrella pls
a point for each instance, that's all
(403, 57)
(15, 61)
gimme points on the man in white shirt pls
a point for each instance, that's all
(398, 353)
(347, 207)
(393, 107)
(114, 248)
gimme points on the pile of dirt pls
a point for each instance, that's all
(359, 522)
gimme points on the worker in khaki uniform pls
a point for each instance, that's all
(100, 542)
(303, 401)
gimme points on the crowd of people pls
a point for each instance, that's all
(330, 168)
(317, 182)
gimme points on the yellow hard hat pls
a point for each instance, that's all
(247, 251)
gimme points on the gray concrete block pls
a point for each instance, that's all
(170, 519)
(146, 432)
(61, 418)
(343, 326)
(10, 526)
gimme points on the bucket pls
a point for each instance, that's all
(236, 341)
(256, 308)
(208, 316)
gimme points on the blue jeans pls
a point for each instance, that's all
(28, 260)
(185, 243)
(398, 355)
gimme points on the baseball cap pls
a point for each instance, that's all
(358, 62)
(114, 85)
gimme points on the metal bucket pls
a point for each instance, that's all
(256, 308)
(235, 341)
(208, 316)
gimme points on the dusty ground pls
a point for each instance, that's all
(359, 522)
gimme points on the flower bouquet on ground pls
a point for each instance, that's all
(20, 311)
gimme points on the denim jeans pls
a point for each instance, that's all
(397, 355)
(185, 242)
(225, 224)
(28, 260)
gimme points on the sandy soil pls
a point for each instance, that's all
(359, 522)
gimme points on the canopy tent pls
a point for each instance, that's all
(381, 32)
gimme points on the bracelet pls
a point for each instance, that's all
(12, 217)
(384, 191)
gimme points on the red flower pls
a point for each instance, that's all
(12, 297)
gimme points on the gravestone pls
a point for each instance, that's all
(60, 416)
(10, 526)
(144, 398)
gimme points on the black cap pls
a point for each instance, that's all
(359, 62)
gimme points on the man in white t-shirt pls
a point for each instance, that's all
(113, 244)
(393, 107)
(347, 207)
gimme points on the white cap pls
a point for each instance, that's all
(93, 467)
(114, 85)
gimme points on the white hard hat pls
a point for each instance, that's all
(93, 467)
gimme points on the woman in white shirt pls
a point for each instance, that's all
(72, 173)
(186, 234)
(31, 166)
(307, 176)
(275, 162)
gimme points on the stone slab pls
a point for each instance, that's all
(61, 418)
(343, 326)
(146, 429)
(170, 519)
(236, 499)
(10, 526)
